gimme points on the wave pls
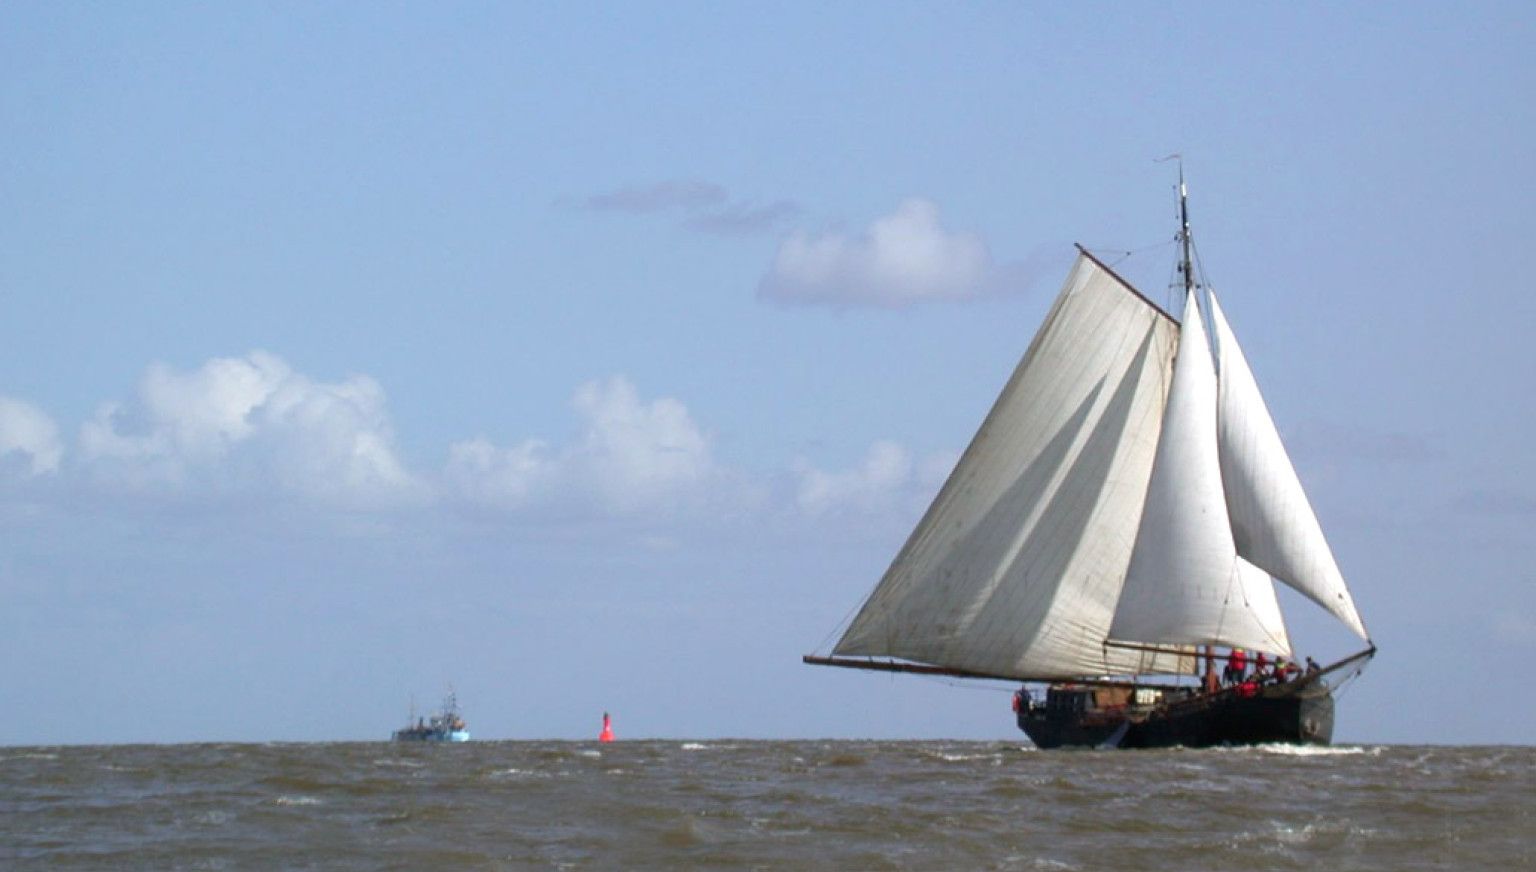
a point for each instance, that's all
(29, 756)
(951, 757)
(403, 764)
(1282, 750)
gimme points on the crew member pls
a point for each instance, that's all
(1237, 666)
(1022, 700)
(1284, 669)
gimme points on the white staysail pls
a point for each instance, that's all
(1185, 583)
(1016, 567)
(1257, 592)
(1273, 524)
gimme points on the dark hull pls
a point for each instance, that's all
(1279, 714)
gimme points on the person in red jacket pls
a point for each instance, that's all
(1237, 666)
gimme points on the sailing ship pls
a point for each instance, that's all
(1115, 529)
(447, 725)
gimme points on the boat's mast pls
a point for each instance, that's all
(1185, 266)
(1187, 269)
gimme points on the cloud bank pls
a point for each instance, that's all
(886, 479)
(249, 424)
(255, 428)
(633, 455)
(903, 258)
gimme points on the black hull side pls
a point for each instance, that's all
(1302, 716)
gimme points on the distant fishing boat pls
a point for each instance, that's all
(1121, 514)
(445, 726)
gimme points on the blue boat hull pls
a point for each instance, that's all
(415, 735)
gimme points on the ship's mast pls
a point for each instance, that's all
(1187, 270)
(1185, 266)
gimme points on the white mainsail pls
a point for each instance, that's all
(1016, 567)
(1272, 521)
(1185, 583)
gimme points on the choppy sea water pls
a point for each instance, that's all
(763, 805)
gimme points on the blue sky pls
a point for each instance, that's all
(595, 357)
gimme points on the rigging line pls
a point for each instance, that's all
(966, 684)
(1346, 683)
(1278, 642)
(1206, 284)
(841, 625)
(1170, 295)
(1235, 580)
(1126, 253)
(846, 622)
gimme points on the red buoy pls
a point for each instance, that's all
(607, 734)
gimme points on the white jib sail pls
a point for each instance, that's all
(1016, 566)
(1185, 584)
(1272, 522)
(1257, 592)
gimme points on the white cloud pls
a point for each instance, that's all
(250, 423)
(182, 419)
(27, 430)
(637, 452)
(485, 474)
(633, 455)
(253, 427)
(903, 258)
(333, 440)
(887, 479)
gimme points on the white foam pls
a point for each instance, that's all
(297, 800)
(961, 758)
(1046, 863)
(1316, 750)
(1286, 835)
(404, 764)
(41, 756)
